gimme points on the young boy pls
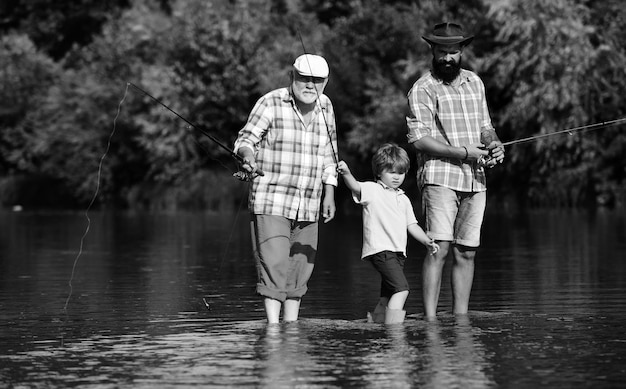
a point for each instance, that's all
(387, 216)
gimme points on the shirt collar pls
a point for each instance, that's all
(386, 187)
(287, 97)
(461, 79)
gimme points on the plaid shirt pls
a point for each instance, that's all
(453, 114)
(297, 160)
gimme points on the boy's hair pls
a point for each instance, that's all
(390, 157)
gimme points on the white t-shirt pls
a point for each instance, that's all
(387, 213)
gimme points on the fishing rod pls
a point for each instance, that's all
(335, 154)
(570, 131)
(240, 175)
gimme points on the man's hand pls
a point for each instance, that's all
(328, 208)
(496, 154)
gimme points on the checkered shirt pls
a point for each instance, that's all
(453, 114)
(297, 160)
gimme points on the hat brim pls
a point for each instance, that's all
(448, 40)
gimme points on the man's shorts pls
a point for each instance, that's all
(284, 252)
(453, 216)
(390, 265)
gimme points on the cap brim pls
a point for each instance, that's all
(310, 74)
(448, 40)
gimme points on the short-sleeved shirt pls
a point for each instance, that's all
(387, 214)
(454, 114)
(297, 160)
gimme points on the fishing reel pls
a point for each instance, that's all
(242, 175)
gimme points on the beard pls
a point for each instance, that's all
(446, 71)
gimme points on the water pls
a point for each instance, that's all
(167, 300)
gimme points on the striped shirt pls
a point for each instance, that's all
(453, 114)
(297, 160)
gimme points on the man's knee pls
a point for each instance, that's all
(464, 253)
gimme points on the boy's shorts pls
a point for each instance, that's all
(390, 265)
(453, 216)
(284, 252)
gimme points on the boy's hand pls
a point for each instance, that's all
(434, 247)
(343, 168)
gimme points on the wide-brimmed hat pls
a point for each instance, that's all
(448, 34)
(311, 65)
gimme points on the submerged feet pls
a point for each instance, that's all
(390, 316)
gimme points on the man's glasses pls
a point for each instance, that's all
(315, 80)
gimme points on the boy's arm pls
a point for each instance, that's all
(349, 179)
(418, 234)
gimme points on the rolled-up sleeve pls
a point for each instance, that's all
(258, 122)
(329, 174)
(421, 120)
(486, 122)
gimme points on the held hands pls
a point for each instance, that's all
(433, 247)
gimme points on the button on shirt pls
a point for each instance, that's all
(297, 160)
(453, 114)
(387, 214)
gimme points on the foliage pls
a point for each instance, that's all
(66, 68)
(55, 26)
(25, 75)
(552, 69)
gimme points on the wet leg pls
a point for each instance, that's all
(292, 309)
(462, 278)
(272, 310)
(431, 278)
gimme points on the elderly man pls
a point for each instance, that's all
(451, 131)
(290, 135)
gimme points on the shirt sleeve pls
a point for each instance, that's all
(423, 108)
(366, 193)
(329, 174)
(255, 128)
(486, 123)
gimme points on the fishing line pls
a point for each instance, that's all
(569, 131)
(242, 177)
(93, 199)
(335, 154)
(199, 129)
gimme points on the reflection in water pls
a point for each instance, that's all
(390, 358)
(167, 300)
(459, 357)
(280, 353)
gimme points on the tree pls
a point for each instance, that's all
(552, 69)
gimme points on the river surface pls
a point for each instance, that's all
(167, 301)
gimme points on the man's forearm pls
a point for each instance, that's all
(431, 146)
(488, 135)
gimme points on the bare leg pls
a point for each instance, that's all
(397, 300)
(462, 278)
(431, 278)
(395, 312)
(382, 305)
(292, 309)
(378, 314)
(272, 310)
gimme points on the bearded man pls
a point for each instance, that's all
(450, 128)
